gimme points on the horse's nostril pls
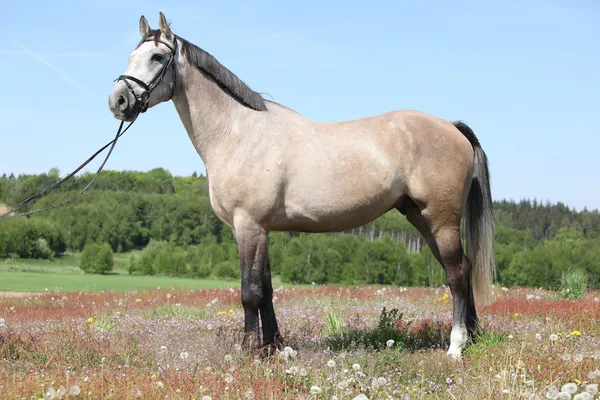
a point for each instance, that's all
(121, 100)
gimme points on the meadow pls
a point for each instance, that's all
(343, 342)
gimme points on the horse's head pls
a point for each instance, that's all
(150, 76)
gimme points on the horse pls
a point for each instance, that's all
(271, 169)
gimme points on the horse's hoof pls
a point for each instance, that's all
(279, 341)
(268, 351)
(251, 341)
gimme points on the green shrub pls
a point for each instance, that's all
(228, 269)
(96, 258)
(573, 283)
(43, 250)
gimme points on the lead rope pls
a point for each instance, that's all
(57, 184)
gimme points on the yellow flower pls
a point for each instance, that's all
(230, 311)
(516, 315)
(575, 333)
(90, 320)
(577, 381)
(445, 296)
(153, 377)
(221, 313)
(559, 335)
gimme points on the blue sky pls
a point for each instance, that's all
(524, 75)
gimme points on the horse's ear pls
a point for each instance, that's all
(144, 27)
(165, 29)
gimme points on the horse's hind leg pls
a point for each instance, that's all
(441, 229)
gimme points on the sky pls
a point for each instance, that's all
(524, 75)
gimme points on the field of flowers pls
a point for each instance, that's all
(342, 343)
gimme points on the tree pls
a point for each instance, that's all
(96, 258)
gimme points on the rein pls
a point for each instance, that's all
(140, 106)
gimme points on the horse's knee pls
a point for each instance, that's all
(252, 296)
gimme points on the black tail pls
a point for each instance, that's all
(479, 221)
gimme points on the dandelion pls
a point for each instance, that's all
(74, 391)
(360, 397)
(575, 333)
(315, 390)
(596, 300)
(592, 389)
(570, 387)
(292, 370)
(153, 377)
(594, 374)
(356, 367)
(510, 337)
(331, 364)
(184, 355)
(303, 372)
(382, 381)
(552, 392)
(90, 320)
(553, 337)
(206, 398)
(516, 315)
(249, 394)
(228, 358)
(61, 391)
(50, 394)
(538, 336)
(583, 396)
(228, 378)
(163, 349)
(237, 347)
(578, 358)
(389, 343)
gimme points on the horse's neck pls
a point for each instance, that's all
(208, 114)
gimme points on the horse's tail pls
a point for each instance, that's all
(479, 222)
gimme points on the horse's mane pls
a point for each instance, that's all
(223, 77)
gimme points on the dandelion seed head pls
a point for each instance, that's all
(389, 343)
(356, 367)
(570, 387)
(331, 364)
(315, 390)
(592, 389)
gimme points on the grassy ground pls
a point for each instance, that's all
(39, 282)
(183, 344)
(63, 275)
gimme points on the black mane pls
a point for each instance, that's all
(223, 77)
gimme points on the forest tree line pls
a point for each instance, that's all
(169, 218)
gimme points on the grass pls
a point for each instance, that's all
(39, 282)
(154, 344)
(63, 274)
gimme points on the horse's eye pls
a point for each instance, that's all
(157, 57)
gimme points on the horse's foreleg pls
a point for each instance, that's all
(252, 247)
(271, 336)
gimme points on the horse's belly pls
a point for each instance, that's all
(336, 208)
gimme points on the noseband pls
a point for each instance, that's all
(141, 101)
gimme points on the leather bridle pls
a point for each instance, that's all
(141, 102)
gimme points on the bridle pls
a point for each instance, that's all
(141, 102)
